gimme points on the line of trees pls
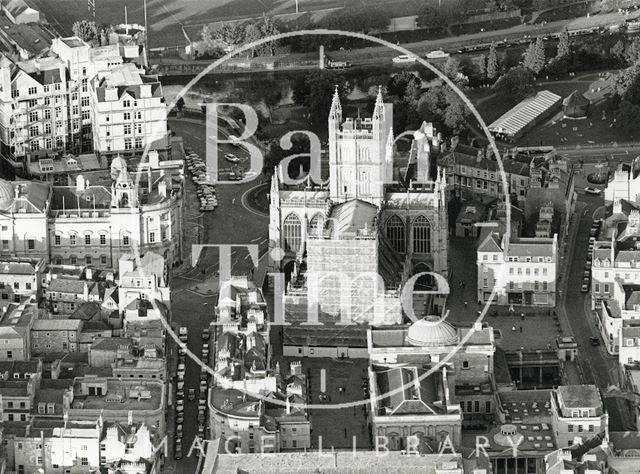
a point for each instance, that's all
(225, 37)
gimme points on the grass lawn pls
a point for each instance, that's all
(168, 17)
(597, 128)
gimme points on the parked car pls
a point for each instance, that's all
(179, 430)
(587, 265)
(201, 429)
(181, 368)
(230, 157)
(201, 417)
(202, 403)
(192, 394)
(205, 335)
(180, 417)
(590, 190)
(180, 393)
(585, 287)
(177, 453)
(404, 58)
(182, 334)
(595, 341)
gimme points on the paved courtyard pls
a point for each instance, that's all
(337, 425)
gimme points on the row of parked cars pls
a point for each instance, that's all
(206, 191)
(192, 395)
(179, 396)
(586, 276)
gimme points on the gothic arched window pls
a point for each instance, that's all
(316, 222)
(396, 233)
(292, 232)
(421, 235)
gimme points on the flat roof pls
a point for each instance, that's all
(121, 395)
(339, 461)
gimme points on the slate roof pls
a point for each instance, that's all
(57, 325)
(491, 243)
(410, 391)
(66, 285)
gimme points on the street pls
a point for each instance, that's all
(194, 290)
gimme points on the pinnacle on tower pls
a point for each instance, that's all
(336, 107)
(378, 109)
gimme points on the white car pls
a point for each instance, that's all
(231, 158)
(235, 141)
(404, 58)
(438, 54)
(590, 190)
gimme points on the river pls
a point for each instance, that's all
(275, 87)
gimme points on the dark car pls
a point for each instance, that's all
(594, 341)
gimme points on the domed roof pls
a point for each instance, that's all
(6, 194)
(432, 331)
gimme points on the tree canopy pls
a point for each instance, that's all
(87, 31)
(315, 91)
(534, 59)
(515, 84)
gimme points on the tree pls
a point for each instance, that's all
(451, 68)
(180, 104)
(618, 49)
(628, 116)
(442, 105)
(563, 45)
(482, 67)
(515, 84)
(492, 63)
(534, 56)
(398, 83)
(87, 31)
(429, 16)
(315, 91)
